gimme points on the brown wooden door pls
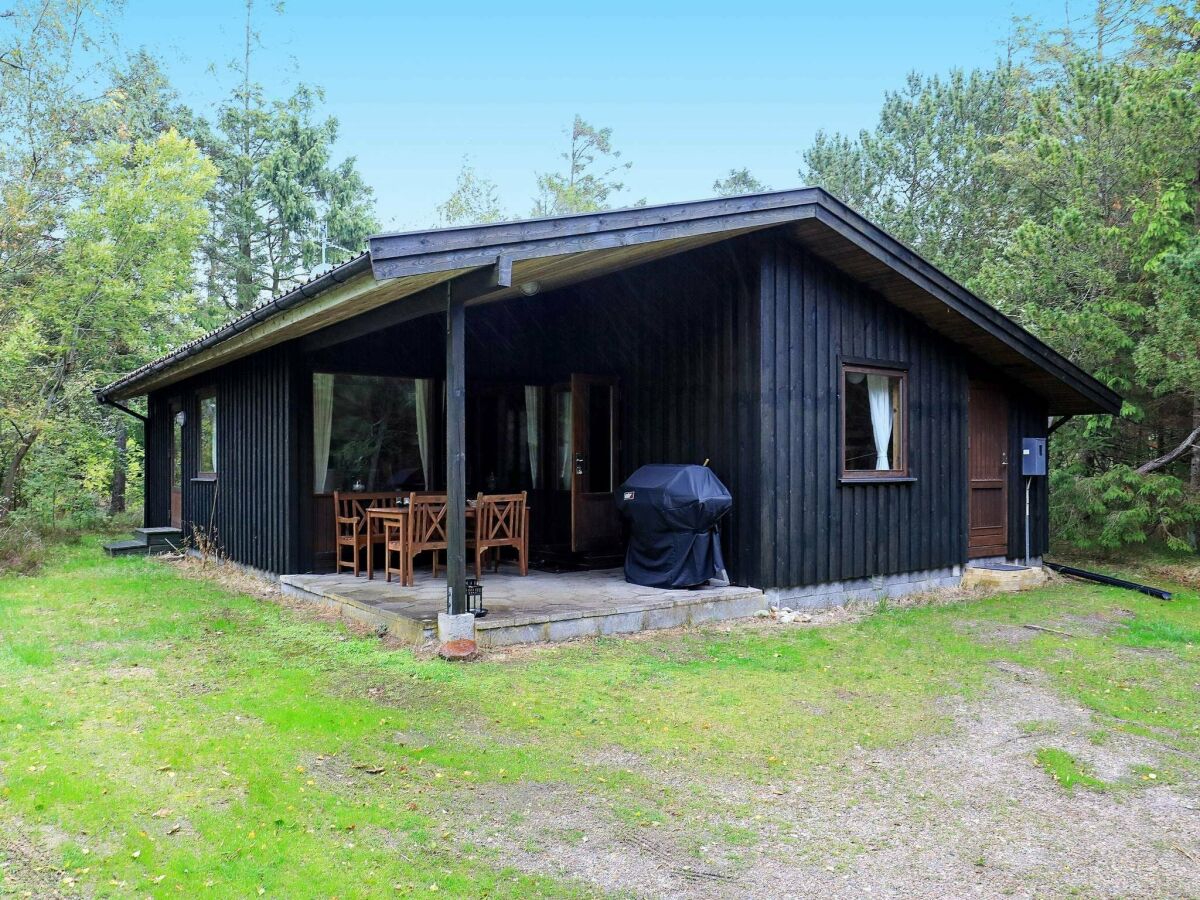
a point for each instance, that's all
(176, 469)
(595, 524)
(987, 471)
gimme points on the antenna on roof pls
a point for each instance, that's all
(324, 266)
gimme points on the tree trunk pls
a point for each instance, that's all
(12, 475)
(1194, 479)
(116, 497)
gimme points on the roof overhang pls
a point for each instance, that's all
(411, 274)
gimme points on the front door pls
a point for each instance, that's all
(176, 468)
(987, 471)
(586, 424)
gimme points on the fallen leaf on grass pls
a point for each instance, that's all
(369, 769)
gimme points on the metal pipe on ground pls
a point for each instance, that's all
(1109, 580)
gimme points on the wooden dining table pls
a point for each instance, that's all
(382, 514)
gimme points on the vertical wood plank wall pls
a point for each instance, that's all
(157, 489)
(815, 530)
(1027, 418)
(252, 509)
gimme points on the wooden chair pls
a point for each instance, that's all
(501, 520)
(395, 540)
(350, 524)
(426, 529)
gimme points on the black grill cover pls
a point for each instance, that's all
(673, 513)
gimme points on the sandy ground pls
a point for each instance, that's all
(966, 814)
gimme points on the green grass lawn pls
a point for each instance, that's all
(160, 735)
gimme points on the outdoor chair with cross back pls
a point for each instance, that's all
(426, 529)
(502, 520)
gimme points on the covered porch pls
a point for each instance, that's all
(559, 393)
(542, 606)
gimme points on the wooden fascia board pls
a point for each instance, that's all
(420, 243)
(389, 265)
(905, 262)
(271, 331)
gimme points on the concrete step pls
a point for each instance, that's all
(126, 548)
(147, 540)
(1004, 578)
(161, 536)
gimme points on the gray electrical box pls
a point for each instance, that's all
(1033, 456)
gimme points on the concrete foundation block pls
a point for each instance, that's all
(570, 629)
(622, 623)
(455, 627)
(1004, 580)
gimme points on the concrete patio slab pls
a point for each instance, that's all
(541, 606)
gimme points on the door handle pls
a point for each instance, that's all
(1004, 458)
(578, 463)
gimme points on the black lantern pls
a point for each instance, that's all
(474, 592)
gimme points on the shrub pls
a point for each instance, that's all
(1118, 507)
(22, 550)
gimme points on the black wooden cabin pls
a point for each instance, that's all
(865, 411)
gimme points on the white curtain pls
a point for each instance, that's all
(565, 439)
(534, 398)
(425, 410)
(322, 427)
(880, 396)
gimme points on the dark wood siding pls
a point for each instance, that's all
(156, 512)
(815, 530)
(252, 508)
(1027, 418)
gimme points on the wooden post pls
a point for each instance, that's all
(456, 442)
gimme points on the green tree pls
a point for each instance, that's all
(51, 103)
(141, 106)
(475, 200)
(738, 181)
(925, 172)
(591, 177)
(280, 194)
(49, 61)
(115, 296)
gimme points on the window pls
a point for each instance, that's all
(374, 432)
(177, 419)
(873, 438)
(208, 433)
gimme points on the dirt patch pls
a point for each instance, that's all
(554, 830)
(969, 811)
(1096, 624)
(130, 673)
(28, 861)
(996, 632)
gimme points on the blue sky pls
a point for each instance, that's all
(690, 89)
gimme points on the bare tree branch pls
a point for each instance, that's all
(1155, 464)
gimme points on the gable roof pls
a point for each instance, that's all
(414, 267)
